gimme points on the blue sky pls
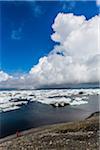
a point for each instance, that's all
(26, 29)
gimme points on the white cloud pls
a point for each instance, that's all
(37, 10)
(98, 2)
(4, 76)
(16, 34)
(75, 60)
(78, 42)
(66, 6)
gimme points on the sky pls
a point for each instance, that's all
(37, 35)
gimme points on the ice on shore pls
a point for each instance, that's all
(10, 100)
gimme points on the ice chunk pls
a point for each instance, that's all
(78, 102)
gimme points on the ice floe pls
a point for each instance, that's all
(10, 100)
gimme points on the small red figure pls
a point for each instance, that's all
(17, 133)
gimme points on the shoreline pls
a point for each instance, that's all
(93, 116)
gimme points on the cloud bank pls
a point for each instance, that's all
(74, 59)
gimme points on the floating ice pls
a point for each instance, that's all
(75, 102)
(10, 108)
(10, 100)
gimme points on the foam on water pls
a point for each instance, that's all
(10, 100)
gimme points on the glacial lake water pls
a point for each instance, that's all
(37, 114)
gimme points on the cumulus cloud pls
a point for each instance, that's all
(4, 76)
(78, 42)
(74, 59)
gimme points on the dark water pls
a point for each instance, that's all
(36, 114)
